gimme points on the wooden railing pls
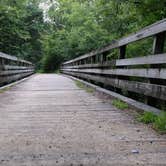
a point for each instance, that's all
(149, 71)
(13, 68)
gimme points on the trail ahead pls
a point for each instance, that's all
(47, 121)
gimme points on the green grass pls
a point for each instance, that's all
(82, 86)
(40, 71)
(120, 104)
(4, 89)
(89, 90)
(147, 117)
(57, 71)
(79, 84)
(158, 122)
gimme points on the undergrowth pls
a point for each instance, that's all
(147, 117)
(120, 104)
(4, 89)
(82, 86)
(158, 122)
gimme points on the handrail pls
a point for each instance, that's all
(9, 57)
(13, 68)
(148, 31)
(143, 75)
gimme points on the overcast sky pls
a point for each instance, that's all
(45, 6)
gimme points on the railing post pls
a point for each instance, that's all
(158, 44)
(122, 51)
(1, 63)
(93, 59)
(105, 56)
(158, 47)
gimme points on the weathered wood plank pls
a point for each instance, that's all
(97, 65)
(151, 59)
(157, 91)
(11, 72)
(8, 79)
(12, 67)
(6, 56)
(145, 60)
(13, 58)
(147, 73)
(49, 121)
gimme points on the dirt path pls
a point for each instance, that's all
(48, 121)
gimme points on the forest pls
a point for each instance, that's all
(48, 32)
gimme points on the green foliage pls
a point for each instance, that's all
(79, 84)
(73, 28)
(82, 86)
(147, 117)
(120, 104)
(158, 121)
(89, 90)
(81, 26)
(4, 89)
(21, 24)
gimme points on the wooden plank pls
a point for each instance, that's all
(147, 73)
(13, 58)
(48, 120)
(148, 31)
(12, 72)
(6, 56)
(156, 91)
(151, 59)
(97, 65)
(8, 79)
(11, 67)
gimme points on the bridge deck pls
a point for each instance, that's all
(47, 121)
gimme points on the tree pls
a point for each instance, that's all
(72, 27)
(21, 25)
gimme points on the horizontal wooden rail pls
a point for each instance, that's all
(147, 73)
(13, 68)
(157, 91)
(144, 75)
(145, 60)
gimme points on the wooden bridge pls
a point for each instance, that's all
(47, 120)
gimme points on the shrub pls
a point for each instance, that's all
(160, 123)
(120, 104)
(147, 117)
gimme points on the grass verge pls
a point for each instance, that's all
(147, 117)
(158, 122)
(82, 86)
(4, 89)
(120, 104)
